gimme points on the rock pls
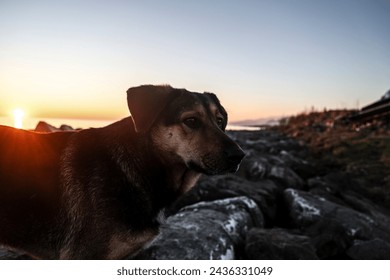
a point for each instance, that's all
(260, 141)
(45, 127)
(320, 187)
(306, 209)
(257, 167)
(65, 127)
(278, 244)
(301, 167)
(286, 177)
(270, 155)
(303, 211)
(375, 249)
(333, 226)
(280, 165)
(267, 142)
(265, 193)
(254, 168)
(330, 239)
(336, 182)
(361, 204)
(206, 230)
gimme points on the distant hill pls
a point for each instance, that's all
(258, 122)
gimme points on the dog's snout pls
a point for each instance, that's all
(234, 155)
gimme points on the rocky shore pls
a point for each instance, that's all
(290, 199)
(281, 204)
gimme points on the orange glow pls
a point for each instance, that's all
(18, 118)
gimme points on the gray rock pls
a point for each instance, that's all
(333, 227)
(375, 249)
(359, 203)
(306, 209)
(268, 142)
(278, 244)
(286, 177)
(303, 168)
(254, 168)
(265, 193)
(206, 230)
(321, 188)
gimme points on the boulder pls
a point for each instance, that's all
(257, 167)
(380, 215)
(302, 167)
(333, 227)
(286, 177)
(45, 127)
(65, 127)
(375, 249)
(278, 244)
(265, 193)
(254, 167)
(268, 142)
(206, 230)
(306, 209)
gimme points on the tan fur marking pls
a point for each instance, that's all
(124, 245)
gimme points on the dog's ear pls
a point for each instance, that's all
(147, 102)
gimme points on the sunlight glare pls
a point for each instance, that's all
(18, 118)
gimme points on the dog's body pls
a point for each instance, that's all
(96, 193)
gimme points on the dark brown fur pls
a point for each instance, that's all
(96, 193)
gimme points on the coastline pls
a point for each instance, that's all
(31, 123)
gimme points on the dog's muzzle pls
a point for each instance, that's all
(234, 156)
(225, 160)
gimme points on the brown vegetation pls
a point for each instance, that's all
(360, 149)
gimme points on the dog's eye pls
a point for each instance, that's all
(193, 123)
(220, 123)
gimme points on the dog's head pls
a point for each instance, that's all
(186, 127)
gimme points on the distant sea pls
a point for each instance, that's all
(31, 123)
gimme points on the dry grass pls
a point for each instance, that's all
(360, 150)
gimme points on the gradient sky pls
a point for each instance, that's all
(76, 59)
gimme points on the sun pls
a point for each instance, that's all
(18, 118)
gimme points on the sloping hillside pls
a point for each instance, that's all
(359, 149)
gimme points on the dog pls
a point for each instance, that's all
(97, 193)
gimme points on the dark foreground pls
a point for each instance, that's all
(314, 196)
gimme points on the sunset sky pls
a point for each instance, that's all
(76, 59)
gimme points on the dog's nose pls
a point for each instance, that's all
(235, 155)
